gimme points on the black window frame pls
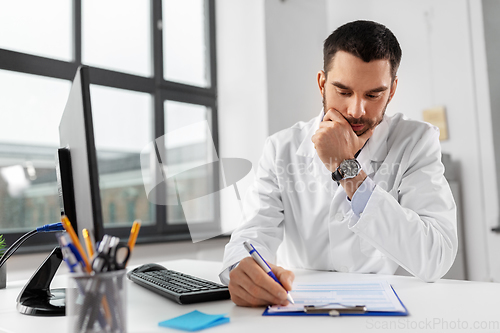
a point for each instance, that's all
(160, 90)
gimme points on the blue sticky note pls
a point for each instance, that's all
(195, 321)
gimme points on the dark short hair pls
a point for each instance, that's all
(366, 40)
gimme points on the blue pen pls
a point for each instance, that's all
(68, 256)
(77, 255)
(262, 263)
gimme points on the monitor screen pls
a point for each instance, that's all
(78, 176)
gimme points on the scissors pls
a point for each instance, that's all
(111, 255)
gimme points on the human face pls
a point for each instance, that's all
(360, 91)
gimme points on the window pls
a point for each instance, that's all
(116, 35)
(122, 128)
(152, 71)
(37, 27)
(185, 62)
(189, 157)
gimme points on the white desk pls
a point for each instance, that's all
(446, 305)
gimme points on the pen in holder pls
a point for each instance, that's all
(97, 303)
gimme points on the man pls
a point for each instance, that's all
(388, 203)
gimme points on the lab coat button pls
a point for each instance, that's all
(339, 216)
(344, 269)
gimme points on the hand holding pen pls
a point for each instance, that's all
(249, 284)
(264, 265)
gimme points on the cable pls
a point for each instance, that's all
(13, 248)
(50, 227)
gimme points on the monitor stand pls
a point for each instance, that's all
(36, 298)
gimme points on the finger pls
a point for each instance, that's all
(336, 116)
(329, 114)
(250, 275)
(239, 301)
(329, 123)
(242, 298)
(267, 283)
(257, 289)
(285, 276)
(314, 138)
(245, 293)
(243, 302)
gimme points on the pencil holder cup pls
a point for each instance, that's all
(97, 303)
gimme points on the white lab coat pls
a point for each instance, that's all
(305, 219)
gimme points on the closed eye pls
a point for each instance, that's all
(344, 93)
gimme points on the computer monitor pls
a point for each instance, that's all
(78, 178)
(78, 182)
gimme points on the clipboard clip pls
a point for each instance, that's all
(335, 309)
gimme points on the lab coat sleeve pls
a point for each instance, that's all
(263, 228)
(414, 222)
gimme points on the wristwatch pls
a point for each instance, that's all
(347, 169)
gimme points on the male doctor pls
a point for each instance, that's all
(352, 190)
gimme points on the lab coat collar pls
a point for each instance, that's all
(375, 149)
(306, 147)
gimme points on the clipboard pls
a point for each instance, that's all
(334, 309)
(344, 313)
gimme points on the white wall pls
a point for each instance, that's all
(295, 31)
(488, 81)
(241, 75)
(242, 86)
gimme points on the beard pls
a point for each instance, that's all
(368, 122)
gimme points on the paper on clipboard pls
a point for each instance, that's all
(375, 295)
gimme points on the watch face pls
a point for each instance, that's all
(350, 168)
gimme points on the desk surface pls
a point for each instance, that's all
(447, 305)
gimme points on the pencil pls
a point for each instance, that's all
(88, 243)
(71, 232)
(133, 234)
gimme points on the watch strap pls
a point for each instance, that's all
(336, 175)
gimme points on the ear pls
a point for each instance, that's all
(321, 82)
(393, 88)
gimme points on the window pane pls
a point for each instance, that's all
(122, 128)
(185, 55)
(29, 137)
(189, 153)
(41, 28)
(116, 35)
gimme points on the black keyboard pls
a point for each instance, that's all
(178, 287)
